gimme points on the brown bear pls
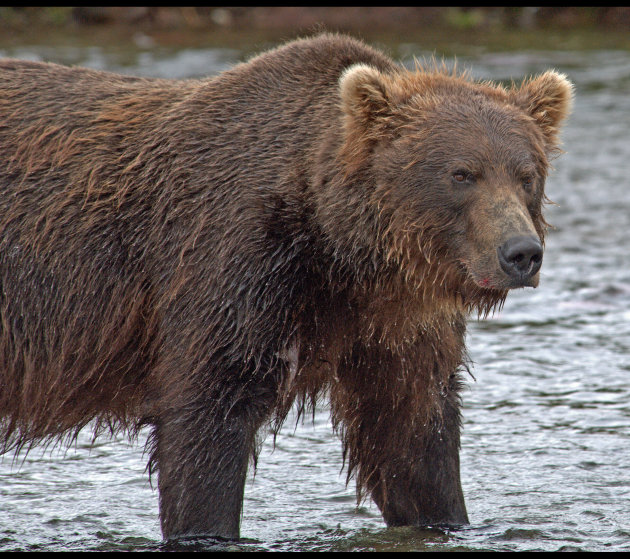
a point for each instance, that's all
(199, 255)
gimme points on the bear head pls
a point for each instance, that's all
(454, 171)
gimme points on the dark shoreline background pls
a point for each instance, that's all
(571, 28)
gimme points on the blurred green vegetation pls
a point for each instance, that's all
(490, 27)
(345, 18)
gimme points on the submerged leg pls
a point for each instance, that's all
(401, 433)
(201, 451)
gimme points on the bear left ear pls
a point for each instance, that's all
(548, 98)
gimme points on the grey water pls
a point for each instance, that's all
(546, 434)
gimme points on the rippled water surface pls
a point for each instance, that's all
(546, 438)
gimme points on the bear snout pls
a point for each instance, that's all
(520, 258)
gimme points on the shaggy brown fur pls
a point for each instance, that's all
(198, 255)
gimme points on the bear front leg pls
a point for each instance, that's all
(201, 476)
(401, 435)
(201, 452)
(426, 489)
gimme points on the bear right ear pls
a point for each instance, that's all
(367, 105)
(364, 94)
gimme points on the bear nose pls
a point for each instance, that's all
(521, 257)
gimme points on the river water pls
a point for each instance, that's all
(546, 438)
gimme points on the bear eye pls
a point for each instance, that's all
(463, 177)
(527, 182)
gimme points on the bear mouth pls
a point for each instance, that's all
(493, 280)
(484, 297)
(481, 282)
